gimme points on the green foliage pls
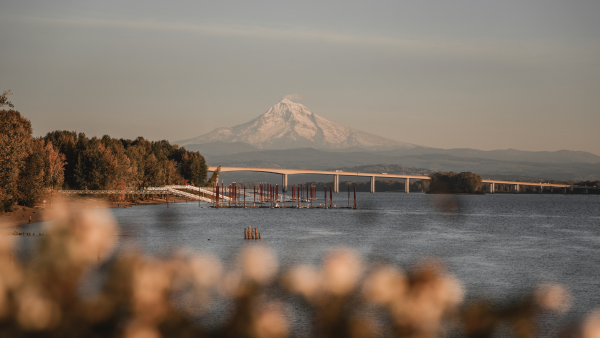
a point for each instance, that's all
(451, 182)
(109, 163)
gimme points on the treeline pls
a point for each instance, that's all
(109, 163)
(32, 168)
(578, 183)
(451, 182)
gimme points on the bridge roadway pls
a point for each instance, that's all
(336, 178)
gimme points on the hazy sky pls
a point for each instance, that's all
(477, 74)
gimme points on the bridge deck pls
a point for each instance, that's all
(379, 175)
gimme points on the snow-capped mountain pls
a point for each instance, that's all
(291, 125)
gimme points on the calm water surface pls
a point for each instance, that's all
(498, 245)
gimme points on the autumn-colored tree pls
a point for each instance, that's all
(31, 177)
(54, 163)
(70, 144)
(4, 100)
(15, 145)
(214, 178)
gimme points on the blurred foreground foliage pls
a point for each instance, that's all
(141, 296)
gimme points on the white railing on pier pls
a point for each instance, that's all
(188, 195)
(202, 190)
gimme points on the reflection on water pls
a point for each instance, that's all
(493, 243)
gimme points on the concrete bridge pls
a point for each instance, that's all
(336, 178)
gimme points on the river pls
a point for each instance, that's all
(497, 245)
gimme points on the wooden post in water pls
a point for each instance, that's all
(167, 199)
(331, 197)
(245, 234)
(307, 197)
(354, 197)
(244, 197)
(217, 197)
(348, 197)
(325, 197)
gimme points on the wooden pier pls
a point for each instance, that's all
(266, 195)
(303, 196)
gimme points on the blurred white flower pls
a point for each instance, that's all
(553, 297)
(591, 325)
(303, 279)
(258, 264)
(384, 285)
(342, 270)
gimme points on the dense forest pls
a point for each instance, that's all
(109, 163)
(451, 182)
(32, 168)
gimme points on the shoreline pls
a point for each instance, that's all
(41, 213)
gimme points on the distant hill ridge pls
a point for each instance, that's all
(563, 167)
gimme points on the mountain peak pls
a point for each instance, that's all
(289, 125)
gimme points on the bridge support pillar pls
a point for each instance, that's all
(541, 188)
(565, 190)
(407, 185)
(492, 188)
(284, 182)
(586, 190)
(516, 189)
(372, 184)
(336, 183)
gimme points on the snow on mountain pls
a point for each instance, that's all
(291, 125)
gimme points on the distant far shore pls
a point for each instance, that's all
(453, 193)
(42, 213)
